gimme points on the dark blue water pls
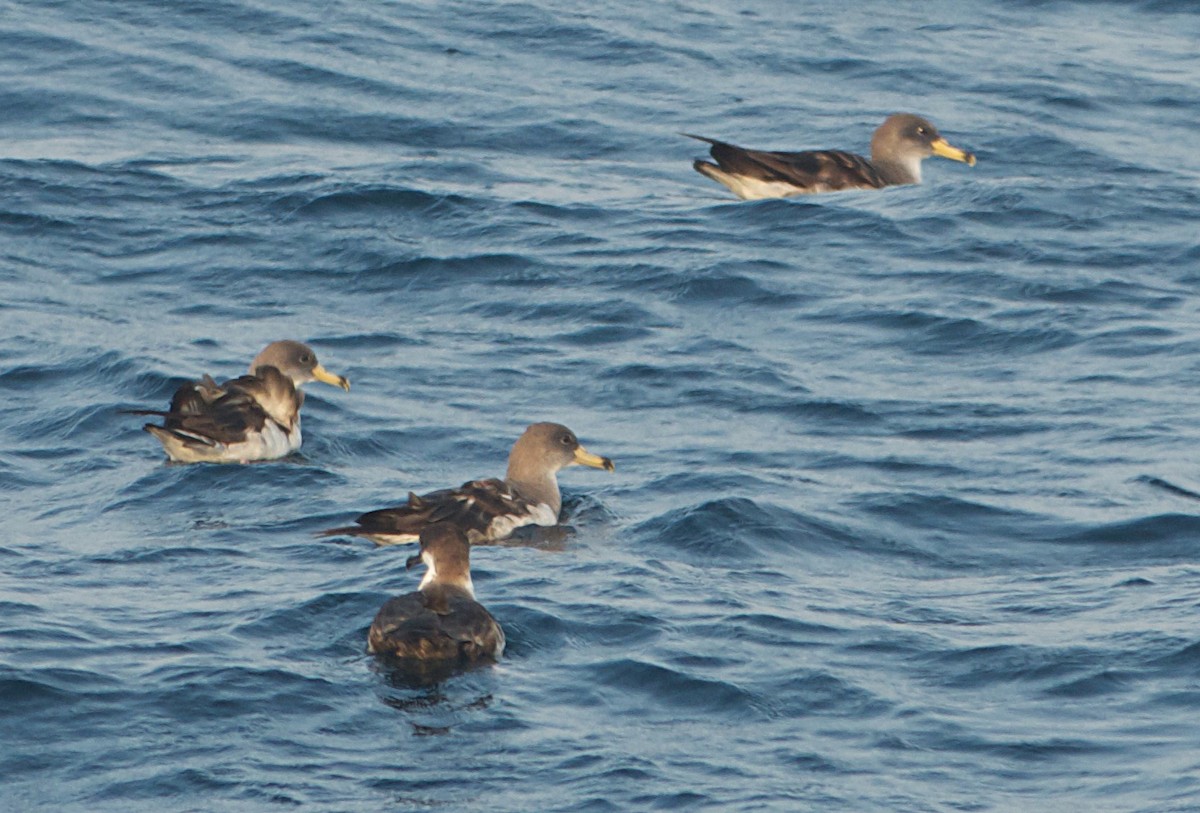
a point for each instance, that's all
(900, 520)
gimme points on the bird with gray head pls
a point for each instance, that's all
(898, 147)
(440, 625)
(253, 417)
(489, 510)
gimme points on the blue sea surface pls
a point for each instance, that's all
(906, 510)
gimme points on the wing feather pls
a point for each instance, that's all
(486, 510)
(807, 171)
(209, 414)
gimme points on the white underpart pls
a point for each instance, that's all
(392, 539)
(748, 188)
(272, 442)
(542, 514)
(505, 524)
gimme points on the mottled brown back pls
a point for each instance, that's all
(471, 507)
(439, 623)
(227, 413)
(810, 169)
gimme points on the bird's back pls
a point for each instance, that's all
(251, 417)
(761, 173)
(485, 510)
(437, 624)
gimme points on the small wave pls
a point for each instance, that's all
(670, 687)
(1165, 535)
(984, 666)
(737, 530)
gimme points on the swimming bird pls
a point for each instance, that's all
(253, 417)
(898, 147)
(489, 510)
(441, 623)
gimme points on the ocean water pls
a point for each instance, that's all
(905, 512)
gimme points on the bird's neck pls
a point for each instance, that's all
(538, 486)
(895, 173)
(459, 581)
(278, 396)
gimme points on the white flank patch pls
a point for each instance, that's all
(392, 539)
(270, 443)
(543, 514)
(754, 189)
(275, 442)
(748, 188)
(503, 525)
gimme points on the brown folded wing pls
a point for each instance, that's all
(473, 507)
(810, 171)
(204, 412)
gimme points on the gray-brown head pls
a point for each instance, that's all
(298, 362)
(537, 456)
(550, 447)
(903, 141)
(447, 557)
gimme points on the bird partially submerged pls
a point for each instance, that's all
(253, 417)
(489, 510)
(898, 147)
(440, 626)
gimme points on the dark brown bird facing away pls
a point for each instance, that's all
(254, 417)
(441, 624)
(898, 147)
(488, 510)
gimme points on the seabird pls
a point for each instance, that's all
(441, 624)
(898, 147)
(489, 510)
(253, 417)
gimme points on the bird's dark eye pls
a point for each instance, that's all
(566, 440)
(305, 358)
(920, 131)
